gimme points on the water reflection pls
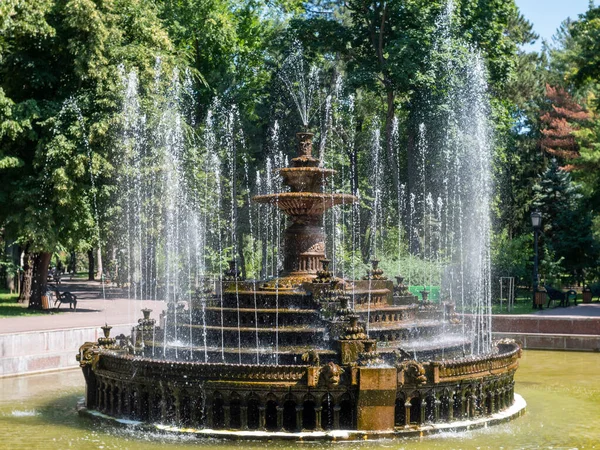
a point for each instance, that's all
(561, 389)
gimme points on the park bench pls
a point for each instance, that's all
(65, 297)
(563, 297)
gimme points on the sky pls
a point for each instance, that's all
(547, 15)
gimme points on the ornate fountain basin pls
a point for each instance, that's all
(305, 204)
(301, 401)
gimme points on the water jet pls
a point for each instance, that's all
(289, 357)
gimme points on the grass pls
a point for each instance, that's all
(10, 308)
(522, 305)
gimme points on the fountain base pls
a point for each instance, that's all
(518, 408)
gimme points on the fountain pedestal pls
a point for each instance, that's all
(376, 398)
(304, 239)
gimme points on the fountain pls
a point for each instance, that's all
(294, 357)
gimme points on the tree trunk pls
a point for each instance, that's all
(39, 279)
(264, 270)
(73, 263)
(354, 164)
(26, 278)
(99, 271)
(242, 267)
(91, 264)
(411, 177)
(389, 138)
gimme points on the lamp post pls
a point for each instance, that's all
(536, 223)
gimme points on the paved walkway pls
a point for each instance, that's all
(581, 310)
(94, 308)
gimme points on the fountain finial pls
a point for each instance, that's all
(305, 144)
(375, 273)
(106, 341)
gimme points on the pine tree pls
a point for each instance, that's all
(559, 123)
(567, 225)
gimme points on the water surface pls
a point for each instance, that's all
(562, 391)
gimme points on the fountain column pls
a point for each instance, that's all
(472, 401)
(436, 409)
(176, 404)
(481, 404)
(137, 401)
(105, 396)
(227, 416)
(120, 400)
(209, 412)
(96, 394)
(244, 417)
(151, 407)
(125, 400)
(261, 417)
(407, 406)
(299, 411)
(112, 406)
(336, 417)
(90, 386)
(318, 413)
(163, 404)
(279, 418)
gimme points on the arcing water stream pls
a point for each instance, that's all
(184, 199)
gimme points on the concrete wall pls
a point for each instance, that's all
(546, 324)
(39, 351)
(577, 342)
(549, 332)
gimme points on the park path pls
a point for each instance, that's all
(94, 308)
(581, 310)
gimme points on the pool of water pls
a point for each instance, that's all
(562, 392)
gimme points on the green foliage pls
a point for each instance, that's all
(567, 232)
(551, 268)
(513, 257)
(61, 122)
(586, 33)
(59, 95)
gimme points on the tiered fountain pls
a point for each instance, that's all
(306, 355)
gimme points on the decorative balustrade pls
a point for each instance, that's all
(111, 362)
(477, 365)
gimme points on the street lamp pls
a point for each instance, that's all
(536, 223)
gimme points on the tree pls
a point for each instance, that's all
(566, 223)
(518, 159)
(399, 52)
(586, 33)
(59, 93)
(574, 66)
(559, 124)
